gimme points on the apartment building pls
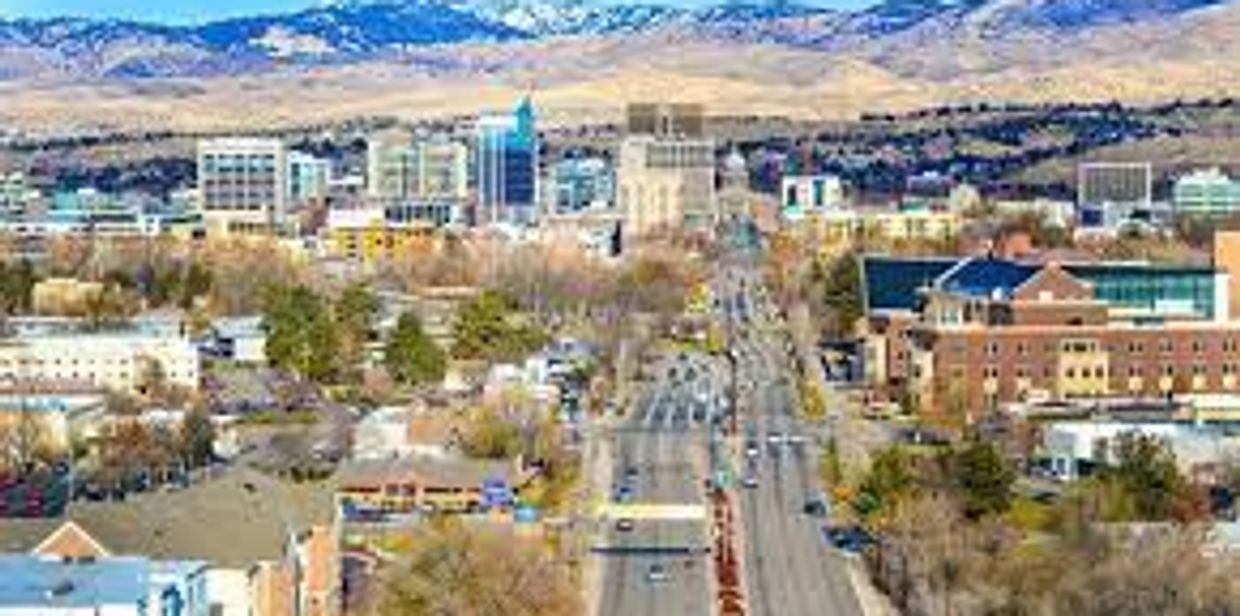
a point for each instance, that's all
(969, 335)
(121, 361)
(428, 175)
(243, 185)
(804, 194)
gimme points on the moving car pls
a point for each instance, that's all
(816, 505)
(625, 525)
(657, 573)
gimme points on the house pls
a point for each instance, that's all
(425, 483)
(270, 548)
(239, 339)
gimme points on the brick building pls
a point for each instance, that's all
(983, 332)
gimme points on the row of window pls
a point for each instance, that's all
(1165, 345)
(1100, 372)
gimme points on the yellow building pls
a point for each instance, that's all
(843, 228)
(365, 235)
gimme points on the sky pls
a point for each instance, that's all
(192, 11)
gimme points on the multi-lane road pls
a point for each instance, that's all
(660, 567)
(660, 456)
(789, 571)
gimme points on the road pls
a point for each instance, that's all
(789, 569)
(660, 453)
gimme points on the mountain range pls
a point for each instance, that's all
(353, 31)
(440, 57)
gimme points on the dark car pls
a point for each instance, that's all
(848, 538)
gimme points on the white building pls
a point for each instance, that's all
(1206, 192)
(116, 360)
(804, 194)
(1073, 447)
(666, 184)
(242, 185)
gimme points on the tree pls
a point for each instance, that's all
(454, 569)
(1146, 471)
(984, 479)
(355, 312)
(301, 336)
(490, 435)
(841, 294)
(196, 438)
(889, 480)
(411, 357)
(197, 283)
(485, 329)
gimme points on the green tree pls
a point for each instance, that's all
(197, 283)
(411, 357)
(830, 465)
(841, 293)
(196, 438)
(984, 479)
(355, 312)
(491, 436)
(486, 329)
(889, 480)
(1146, 471)
(300, 333)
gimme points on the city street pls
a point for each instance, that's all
(789, 569)
(660, 566)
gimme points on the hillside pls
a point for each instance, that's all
(418, 58)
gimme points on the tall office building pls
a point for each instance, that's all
(581, 184)
(666, 184)
(506, 166)
(666, 120)
(1115, 184)
(242, 183)
(425, 179)
(308, 177)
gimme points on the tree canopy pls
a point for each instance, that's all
(411, 357)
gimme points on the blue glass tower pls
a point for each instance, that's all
(506, 166)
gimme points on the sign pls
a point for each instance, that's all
(496, 493)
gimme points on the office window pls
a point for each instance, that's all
(1166, 345)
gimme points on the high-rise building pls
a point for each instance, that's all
(242, 183)
(506, 166)
(1208, 192)
(427, 179)
(667, 120)
(308, 177)
(666, 183)
(1104, 183)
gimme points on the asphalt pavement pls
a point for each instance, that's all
(659, 452)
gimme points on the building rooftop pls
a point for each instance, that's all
(428, 470)
(27, 581)
(234, 520)
(985, 277)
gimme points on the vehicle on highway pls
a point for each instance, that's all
(750, 480)
(816, 505)
(751, 448)
(852, 539)
(625, 525)
(657, 573)
(622, 494)
(775, 439)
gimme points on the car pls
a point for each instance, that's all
(751, 449)
(852, 539)
(625, 525)
(657, 573)
(774, 439)
(816, 506)
(630, 471)
(622, 494)
(750, 481)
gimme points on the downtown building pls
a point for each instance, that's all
(242, 186)
(424, 179)
(964, 337)
(506, 167)
(666, 172)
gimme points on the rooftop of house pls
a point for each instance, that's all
(32, 581)
(234, 520)
(438, 471)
